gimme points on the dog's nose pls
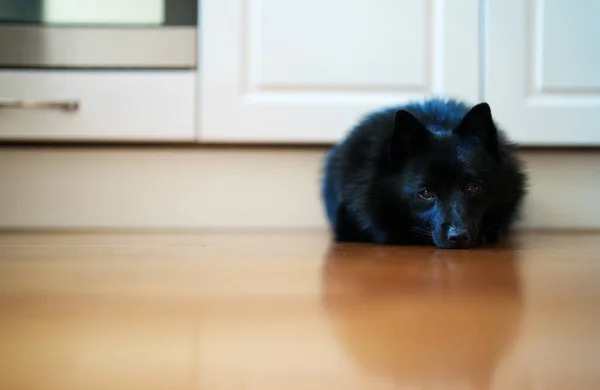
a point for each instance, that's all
(458, 236)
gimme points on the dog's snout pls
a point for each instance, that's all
(458, 236)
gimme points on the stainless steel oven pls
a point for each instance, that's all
(98, 70)
(98, 34)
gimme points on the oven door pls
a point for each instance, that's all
(113, 34)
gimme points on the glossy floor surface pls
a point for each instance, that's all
(290, 311)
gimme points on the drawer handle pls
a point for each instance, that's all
(67, 106)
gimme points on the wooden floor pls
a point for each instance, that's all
(289, 311)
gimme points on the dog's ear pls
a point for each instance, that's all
(478, 122)
(408, 134)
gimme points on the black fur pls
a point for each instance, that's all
(374, 180)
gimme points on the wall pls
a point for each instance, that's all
(232, 187)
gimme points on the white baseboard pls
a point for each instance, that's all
(232, 188)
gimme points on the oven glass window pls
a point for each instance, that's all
(100, 12)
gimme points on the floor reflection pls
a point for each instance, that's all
(423, 316)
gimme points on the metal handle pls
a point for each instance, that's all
(67, 106)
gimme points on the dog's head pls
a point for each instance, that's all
(447, 179)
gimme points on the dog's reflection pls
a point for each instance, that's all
(423, 316)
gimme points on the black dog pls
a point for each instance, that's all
(435, 173)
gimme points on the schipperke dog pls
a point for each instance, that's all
(435, 172)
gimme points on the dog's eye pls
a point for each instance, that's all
(426, 193)
(473, 189)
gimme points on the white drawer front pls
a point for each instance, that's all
(113, 105)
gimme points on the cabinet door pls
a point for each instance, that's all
(543, 70)
(306, 70)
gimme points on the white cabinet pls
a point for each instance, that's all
(542, 74)
(305, 71)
